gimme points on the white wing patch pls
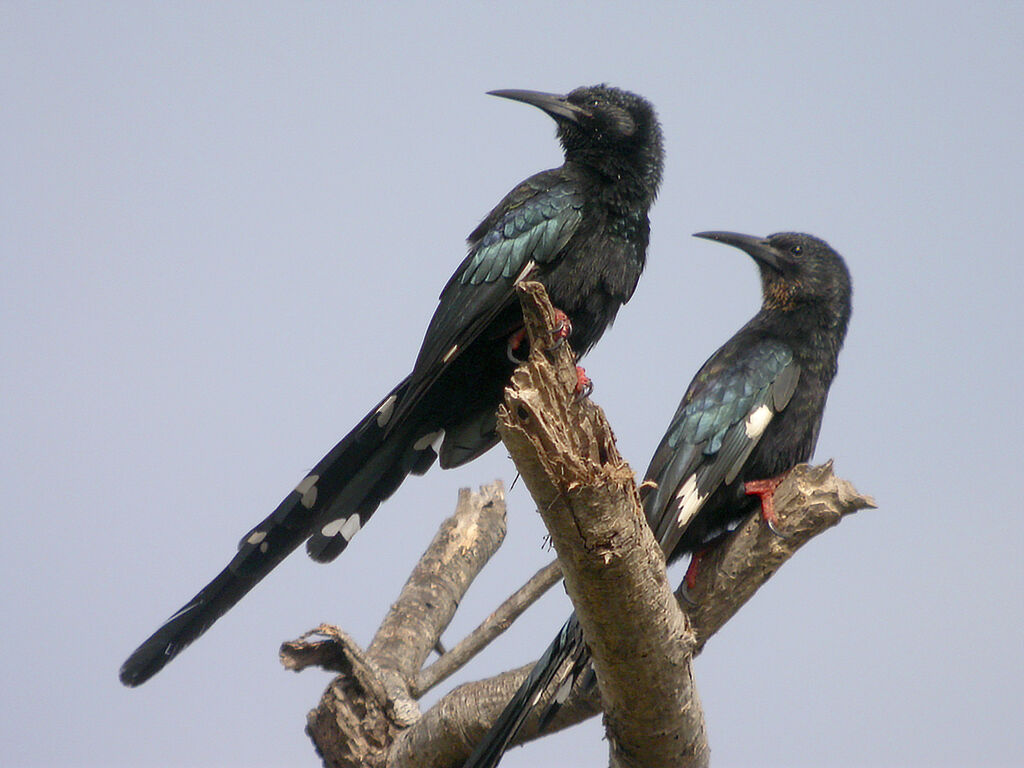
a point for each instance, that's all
(757, 421)
(689, 501)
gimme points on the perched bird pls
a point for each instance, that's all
(751, 413)
(581, 230)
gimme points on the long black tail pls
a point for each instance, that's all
(552, 667)
(328, 507)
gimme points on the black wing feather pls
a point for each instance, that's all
(718, 424)
(530, 227)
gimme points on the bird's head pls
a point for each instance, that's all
(799, 272)
(598, 123)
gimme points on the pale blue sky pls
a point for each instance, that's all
(224, 227)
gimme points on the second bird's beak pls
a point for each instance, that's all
(759, 249)
(554, 104)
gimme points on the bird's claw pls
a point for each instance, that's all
(562, 332)
(765, 489)
(584, 386)
(515, 341)
(684, 595)
(774, 529)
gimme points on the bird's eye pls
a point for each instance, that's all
(796, 250)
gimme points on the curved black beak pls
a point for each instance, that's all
(554, 104)
(758, 247)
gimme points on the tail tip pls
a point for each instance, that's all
(132, 676)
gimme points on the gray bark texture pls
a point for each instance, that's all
(641, 636)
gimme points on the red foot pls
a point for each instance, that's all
(584, 386)
(563, 330)
(766, 490)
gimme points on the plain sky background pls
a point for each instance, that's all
(223, 228)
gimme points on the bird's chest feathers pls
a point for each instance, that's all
(629, 226)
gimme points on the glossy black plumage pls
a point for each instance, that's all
(580, 229)
(753, 411)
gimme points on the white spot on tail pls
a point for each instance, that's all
(307, 489)
(450, 354)
(431, 439)
(689, 501)
(757, 421)
(351, 528)
(334, 527)
(256, 537)
(346, 526)
(385, 411)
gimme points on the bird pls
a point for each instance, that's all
(752, 413)
(581, 230)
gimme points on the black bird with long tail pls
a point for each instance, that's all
(581, 230)
(751, 413)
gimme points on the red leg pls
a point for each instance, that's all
(766, 490)
(693, 568)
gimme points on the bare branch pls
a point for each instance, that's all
(369, 702)
(465, 543)
(490, 628)
(448, 731)
(357, 715)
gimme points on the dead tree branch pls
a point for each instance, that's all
(490, 628)
(613, 567)
(370, 701)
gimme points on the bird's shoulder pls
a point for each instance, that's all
(738, 379)
(532, 223)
